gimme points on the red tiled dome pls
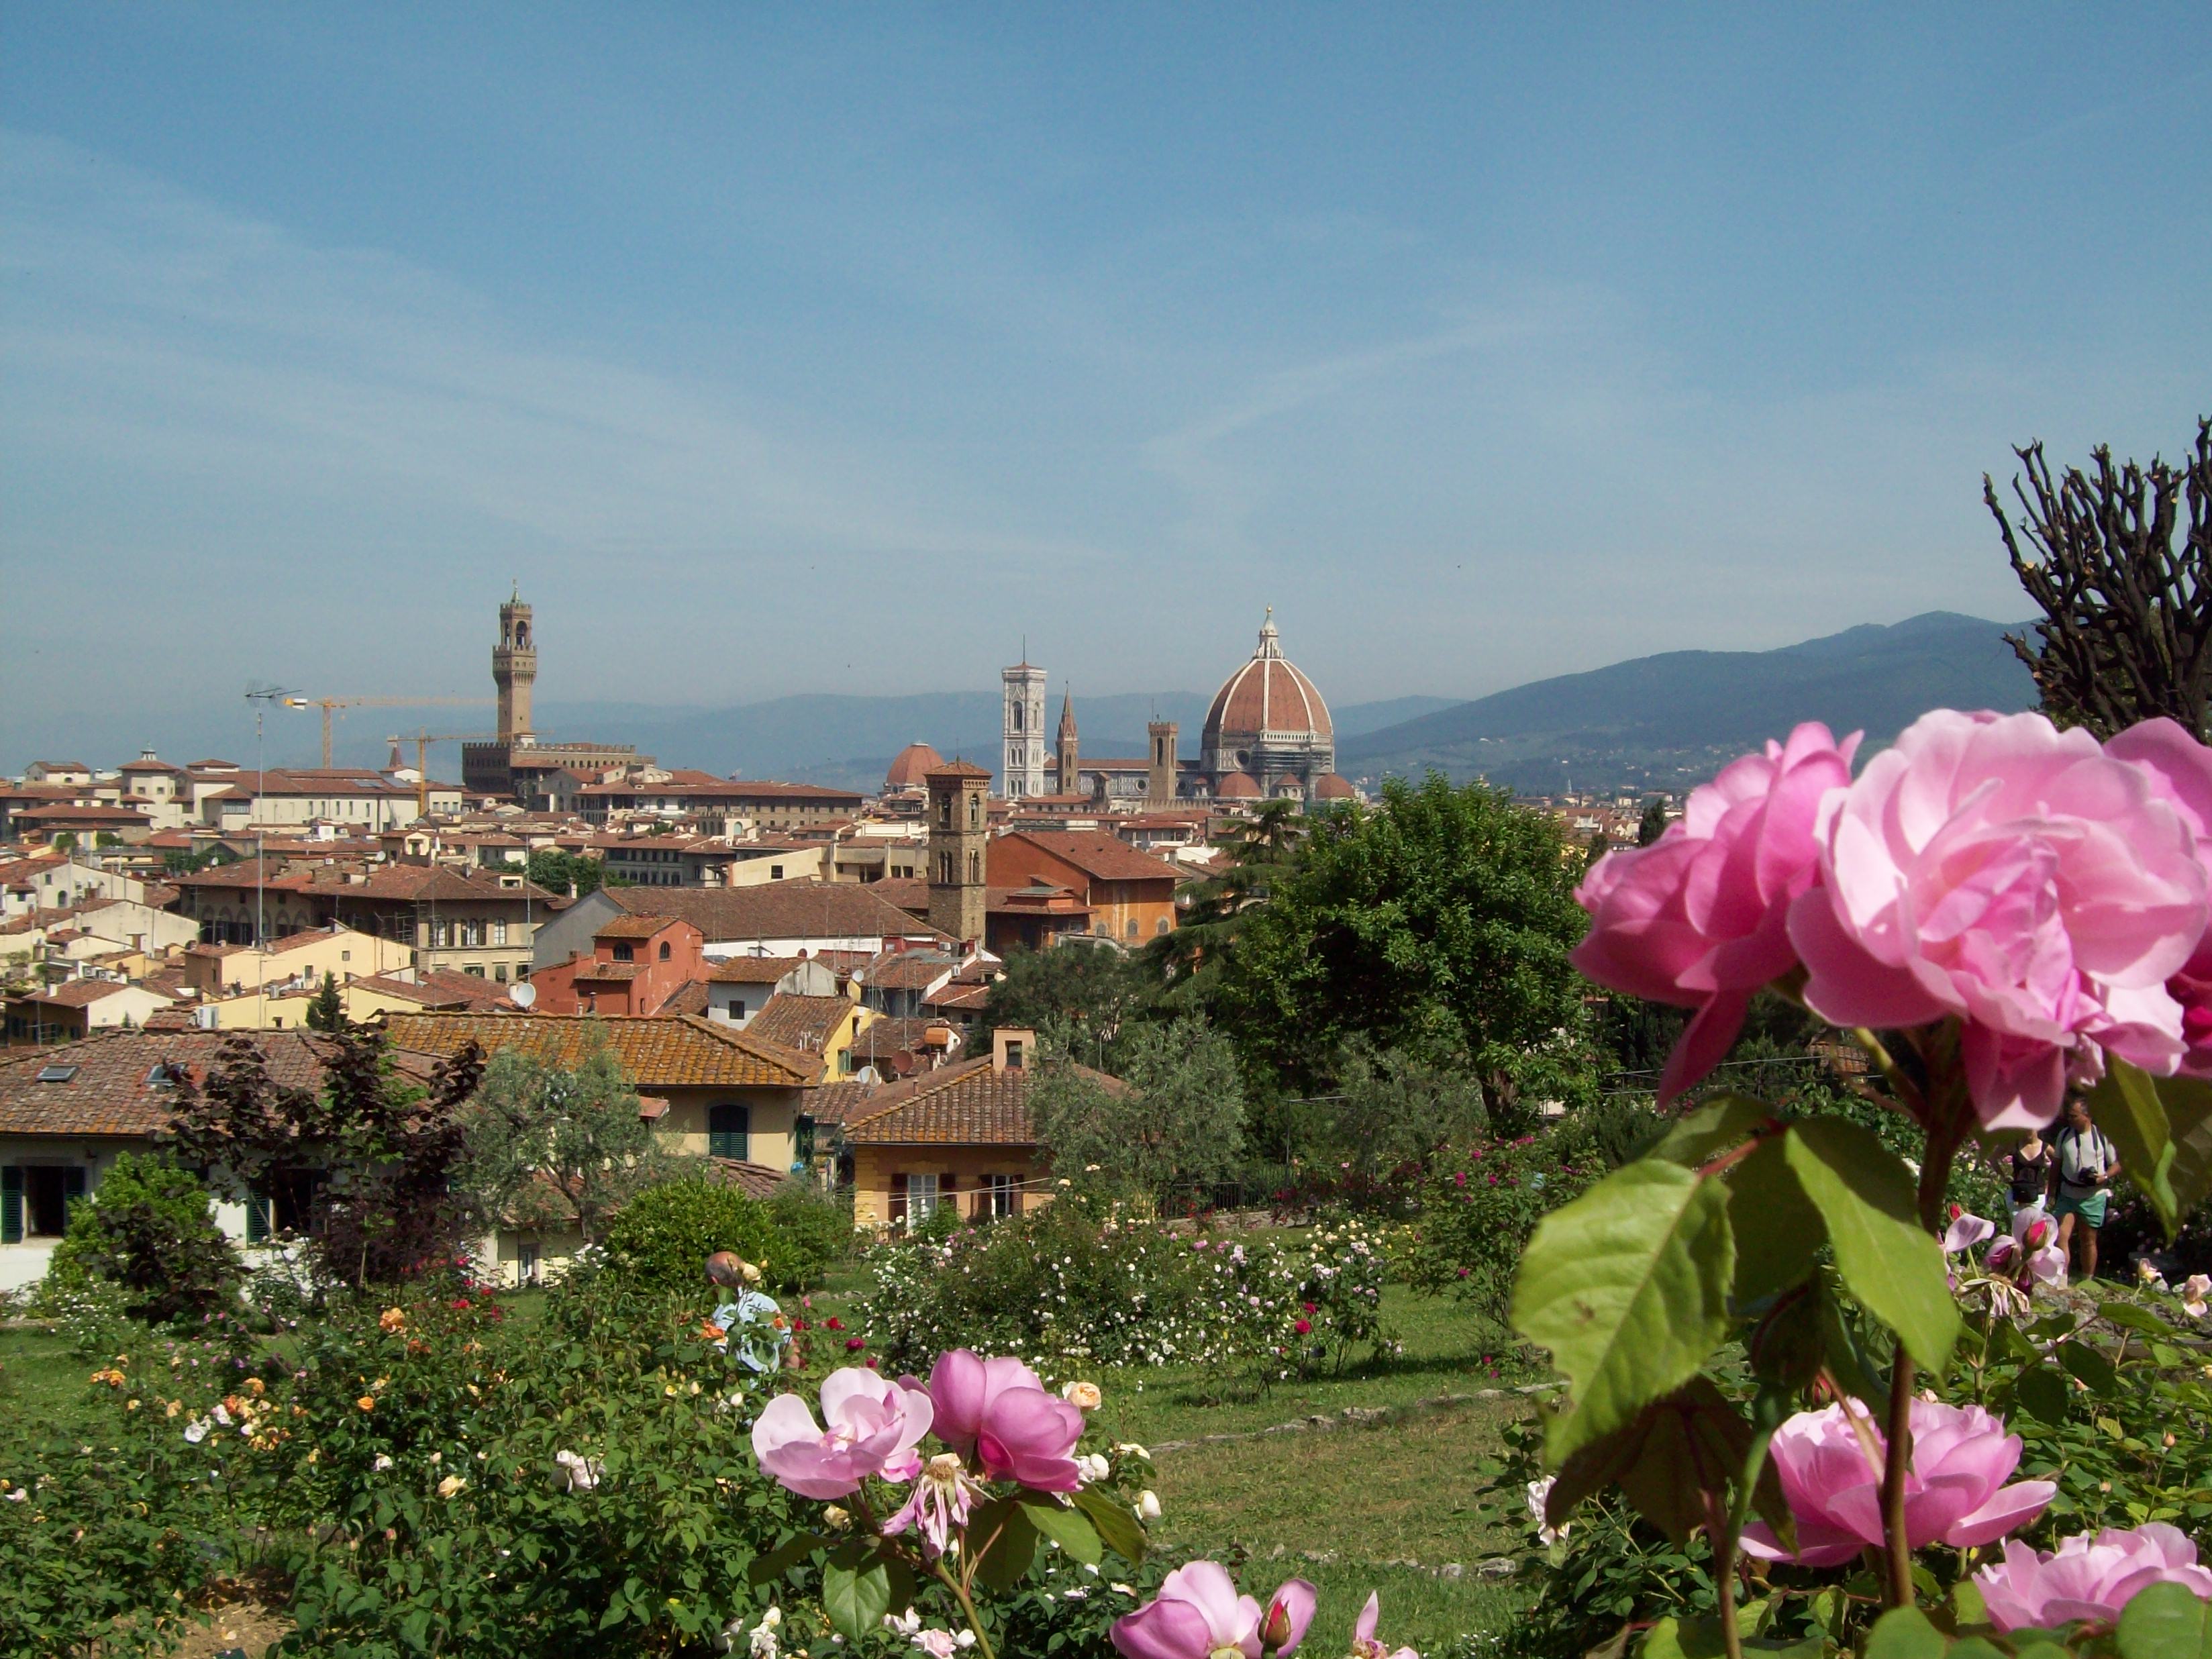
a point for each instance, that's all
(1267, 694)
(1330, 786)
(1238, 786)
(915, 762)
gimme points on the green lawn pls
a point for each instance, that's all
(1385, 1504)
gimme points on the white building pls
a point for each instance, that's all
(1028, 742)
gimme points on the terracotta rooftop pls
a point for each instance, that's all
(438, 988)
(1099, 855)
(107, 1091)
(796, 1022)
(840, 1102)
(802, 910)
(967, 1104)
(77, 992)
(629, 927)
(679, 1051)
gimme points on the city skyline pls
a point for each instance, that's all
(1482, 349)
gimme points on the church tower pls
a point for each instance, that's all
(514, 670)
(1160, 763)
(1064, 782)
(959, 837)
(1024, 730)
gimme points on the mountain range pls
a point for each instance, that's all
(1667, 722)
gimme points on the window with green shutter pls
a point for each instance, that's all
(256, 1219)
(729, 1131)
(11, 1205)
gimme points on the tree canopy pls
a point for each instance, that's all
(1438, 922)
(1178, 1122)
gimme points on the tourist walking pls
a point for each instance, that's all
(2028, 1170)
(2086, 1164)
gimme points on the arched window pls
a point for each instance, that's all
(664, 950)
(1133, 927)
(974, 867)
(945, 869)
(729, 1131)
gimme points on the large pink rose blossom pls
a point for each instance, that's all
(1198, 1613)
(1699, 918)
(1995, 868)
(2088, 1579)
(1955, 1490)
(873, 1426)
(997, 1411)
(2180, 771)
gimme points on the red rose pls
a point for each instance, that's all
(1304, 1328)
(854, 1345)
(833, 1323)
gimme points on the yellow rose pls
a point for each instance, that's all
(367, 1402)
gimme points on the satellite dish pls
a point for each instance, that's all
(523, 996)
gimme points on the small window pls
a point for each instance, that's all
(664, 950)
(729, 1131)
(57, 1073)
(1015, 1057)
(775, 872)
(625, 952)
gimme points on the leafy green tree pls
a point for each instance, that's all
(1653, 823)
(149, 1229)
(1438, 922)
(1078, 997)
(546, 1144)
(575, 873)
(65, 841)
(1261, 848)
(327, 1012)
(1388, 1108)
(363, 1166)
(1174, 1117)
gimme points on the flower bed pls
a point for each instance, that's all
(1071, 1284)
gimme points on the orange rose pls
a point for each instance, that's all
(367, 1402)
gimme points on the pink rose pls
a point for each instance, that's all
(1995, 868)
(1198, 1614)
(873, 1427)
(2086, 1580)
(1965, 1231)
(2180, 771)
(1699, 918)
(1955, 1494)
(997, 1411)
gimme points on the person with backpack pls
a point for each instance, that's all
(2087, 1162)
(2028, 1170)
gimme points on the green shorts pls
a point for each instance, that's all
(2090, 1209)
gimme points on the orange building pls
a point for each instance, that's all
(960, 1135)
(637, 964)
(1131, 895)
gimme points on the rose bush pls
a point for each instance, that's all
(1074, 1284)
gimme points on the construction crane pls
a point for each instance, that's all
(328, 703)
(423, 740)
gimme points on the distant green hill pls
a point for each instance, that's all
(1666, 722)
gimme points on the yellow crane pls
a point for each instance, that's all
(423, 740)
(327, 704)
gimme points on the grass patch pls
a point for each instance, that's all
(41, 1383)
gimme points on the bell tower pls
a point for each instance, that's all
(514, 670)
(1160, 763)
(959, 837)
(1064, 773)
(1024, 729)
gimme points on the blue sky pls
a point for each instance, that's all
(839, 348)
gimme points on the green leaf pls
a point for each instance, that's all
(2128, 1316)
(2166, 1621)
(1778, 1232)
(1976, 1647)
(1968, 1610)
(1008, 1543)
(786, 1556)
(2091, 1366)
(1893, 1265)
(1678, 1453)
(1066, 1529)
(855, 1598)
(1904, 1633)
(2128, 1108)
(1720, 1122)
(2042, 1393)
(1117, 1525)
(1628, 1288)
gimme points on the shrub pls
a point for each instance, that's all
(148, 1229)
(1071, 1282)
(663, 1236)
